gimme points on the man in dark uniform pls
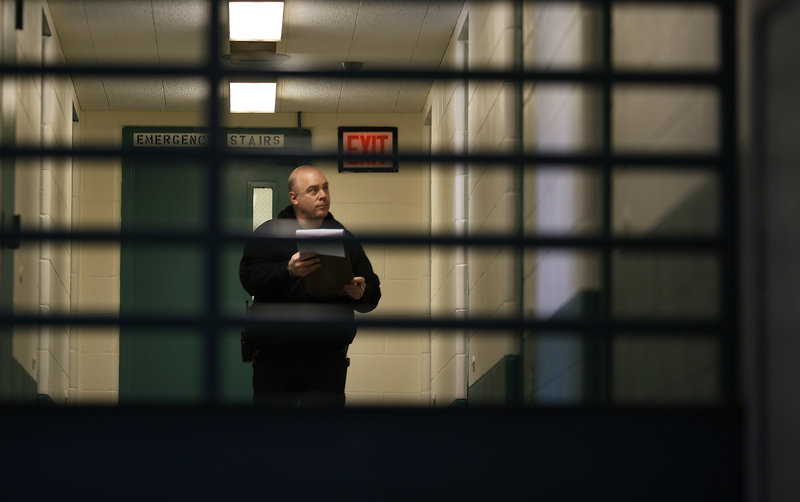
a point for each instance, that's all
(306, 367)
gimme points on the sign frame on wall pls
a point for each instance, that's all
(174, 138)
(366, 141)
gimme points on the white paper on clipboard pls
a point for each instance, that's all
(307, 241)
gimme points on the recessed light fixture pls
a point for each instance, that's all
(255, 21)
(253, 97)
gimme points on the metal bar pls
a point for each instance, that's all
(729, 283)
(601, 348)
(562, 327)
(179, 236)
(533, 160)
(640, 77)
(211, 318)
(519, 181)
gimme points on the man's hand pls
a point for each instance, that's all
(300, 265)
(355, 289)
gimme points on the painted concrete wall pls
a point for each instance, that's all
(491, 189)
(447, 104)
(43, 280)
(566, 200)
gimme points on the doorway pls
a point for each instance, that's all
(161, 365)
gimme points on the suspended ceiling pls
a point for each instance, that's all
(403, 34)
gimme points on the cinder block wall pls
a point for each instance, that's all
(492, 191)
(447, 106)
(567, 199)
(43, 198)
(473, 199)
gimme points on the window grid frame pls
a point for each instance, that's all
(214, 155)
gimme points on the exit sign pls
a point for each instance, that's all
(359, 147)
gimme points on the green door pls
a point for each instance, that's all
(165, 365)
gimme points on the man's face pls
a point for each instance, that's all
(310, 197)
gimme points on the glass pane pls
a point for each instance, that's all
(666, 370)
(564, 118)
(666, 36)
(665, 285)
(559, 35)
(662, 118)
(562, 366)
(262, 205)
(665, 202)
(554, 370)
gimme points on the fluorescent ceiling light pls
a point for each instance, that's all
(253, 97)
(255, 21)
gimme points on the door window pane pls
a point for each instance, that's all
(262, 205)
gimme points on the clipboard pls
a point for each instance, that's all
(335, 270)
(330, 278)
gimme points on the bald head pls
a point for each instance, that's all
(308, 192)
(300, 172)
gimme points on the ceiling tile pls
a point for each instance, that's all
(360, 96)
(303, 94)
(122, 31)
(317, 34)
(386, 32)
(129, 94)
(412, 96)
(72, 29)
(319, 27)
(435, 36)
(185, 95)
(181, 30)
(91, 94)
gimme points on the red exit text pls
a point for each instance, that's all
(365, 143)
